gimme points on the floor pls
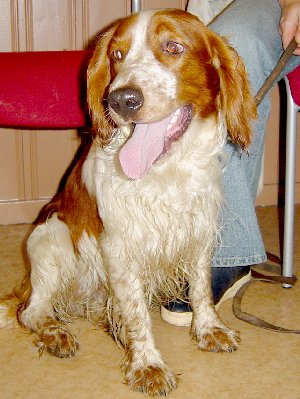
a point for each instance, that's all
(267, 364)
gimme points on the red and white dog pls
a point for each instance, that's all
(138, 217)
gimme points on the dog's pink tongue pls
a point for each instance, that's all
(143, 148)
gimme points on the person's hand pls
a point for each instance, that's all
(289, 27)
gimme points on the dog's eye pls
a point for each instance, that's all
(174, 48)
(117, 55)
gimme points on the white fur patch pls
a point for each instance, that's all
(140, 66)
(172, 202)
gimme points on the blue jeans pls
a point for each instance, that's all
(251, 27)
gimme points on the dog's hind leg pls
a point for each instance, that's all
(53, 260)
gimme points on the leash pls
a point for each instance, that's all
(286, 55)
(265, 278)
(255, 275)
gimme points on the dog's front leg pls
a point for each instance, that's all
(145, 369)
(207, 328)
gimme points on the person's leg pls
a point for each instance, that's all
(251, 27)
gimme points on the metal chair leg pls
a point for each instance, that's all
(291, 138)
(135, 5)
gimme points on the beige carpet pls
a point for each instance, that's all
(267, 364)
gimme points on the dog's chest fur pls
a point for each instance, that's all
(155, 223)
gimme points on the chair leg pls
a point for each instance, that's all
(135, 6)
(291, 138)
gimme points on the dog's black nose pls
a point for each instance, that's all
(125, 102)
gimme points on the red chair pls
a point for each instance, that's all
(43, 90)
(292, 82)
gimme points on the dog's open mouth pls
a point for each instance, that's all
(150, 141)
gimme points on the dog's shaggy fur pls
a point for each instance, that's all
(121, 235)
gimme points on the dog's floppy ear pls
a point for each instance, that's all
(236, 99)
(98, 80)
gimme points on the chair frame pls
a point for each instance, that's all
(290, 178)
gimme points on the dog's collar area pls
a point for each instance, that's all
(150, 141)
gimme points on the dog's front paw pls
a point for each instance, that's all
(218, 339)
(58, 342)
(154, 380)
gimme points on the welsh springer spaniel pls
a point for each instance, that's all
(138, 217)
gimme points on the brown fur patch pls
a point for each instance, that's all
(75, 206)
(56, 339)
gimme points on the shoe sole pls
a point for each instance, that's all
(184, 319)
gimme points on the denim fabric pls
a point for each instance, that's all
(251, 27)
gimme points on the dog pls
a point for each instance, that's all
(138, 217)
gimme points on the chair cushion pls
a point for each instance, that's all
(43, 89)
(294, 81)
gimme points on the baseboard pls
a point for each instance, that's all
(269, 195)
(14, 212)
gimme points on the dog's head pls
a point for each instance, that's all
(165, 64)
